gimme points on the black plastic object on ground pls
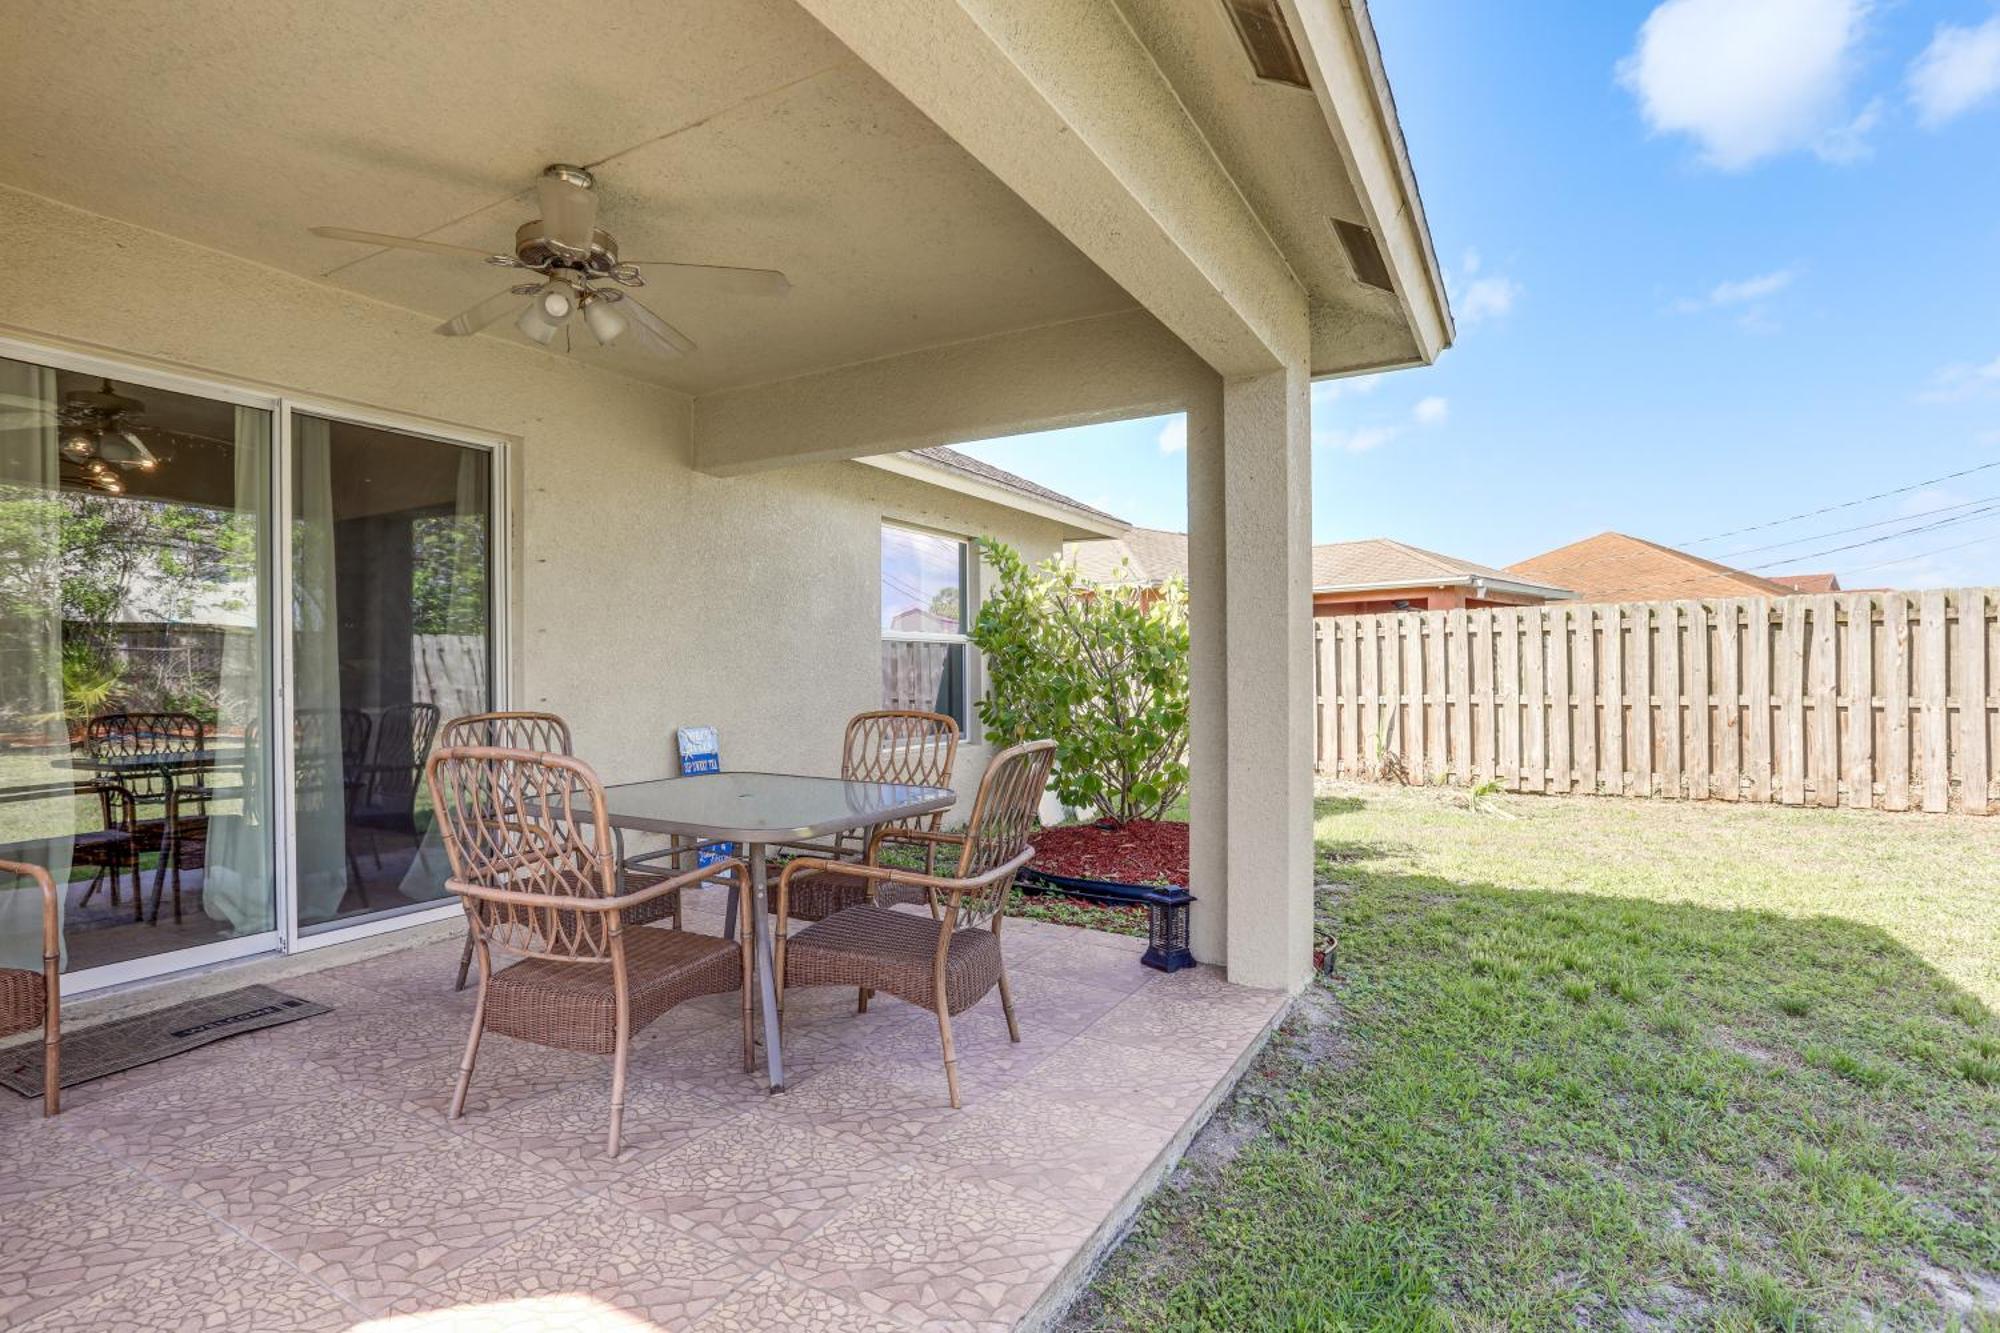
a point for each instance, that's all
(1166, 911)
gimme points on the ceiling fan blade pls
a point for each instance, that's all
(660, 335)
(728, 279)
(569, 210)
(478, 317)
(398, 242)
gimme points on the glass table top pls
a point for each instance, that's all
(765, 807)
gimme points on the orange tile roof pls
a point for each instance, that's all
(1828, 582)
(1612, 567)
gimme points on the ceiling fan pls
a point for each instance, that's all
(574, 259)
(100, 430)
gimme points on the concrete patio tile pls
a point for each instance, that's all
(620, 1258)
(231, 1284)
(307, 1177)
(926, 1250)
(756, 1185)
(77, 1239)
(378, 1238)
(294, 1153)
(773, 1301)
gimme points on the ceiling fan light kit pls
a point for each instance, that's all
(574, 257)
(100, 428)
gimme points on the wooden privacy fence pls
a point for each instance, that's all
(1879, 700)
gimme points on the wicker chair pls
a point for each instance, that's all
(893, 745)
(28, 998)
(530, 851)
(949, 962)
(182, 795)
(546, 733)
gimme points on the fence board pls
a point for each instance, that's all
(1507, 694)
(1642, 701)
(1612, 675)
(1865, 700)
(1858, 744)
(1534, 722)
(1933, 681)
(1897, 666)
(1729, 700)
(1695, 616)
(1972, 727)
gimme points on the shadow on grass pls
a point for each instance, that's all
(1539, 1109)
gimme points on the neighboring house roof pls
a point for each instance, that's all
(972, 476)
(1148, 556)
(1809, 582)
(1614, 567)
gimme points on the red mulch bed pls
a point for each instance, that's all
(1143, 851)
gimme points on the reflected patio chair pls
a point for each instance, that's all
(533, 859)
(27, 997)
(890, 745)
(547, 733)
(947, 963)
(178, 787)
(320, 738)
(387, 800)
(113, 848)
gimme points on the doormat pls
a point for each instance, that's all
(127, 1043)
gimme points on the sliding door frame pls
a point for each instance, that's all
(499, 541)
(138, 374)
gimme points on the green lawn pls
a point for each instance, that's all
(1615, 1065)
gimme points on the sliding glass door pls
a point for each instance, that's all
(135, 663)
(392, 614)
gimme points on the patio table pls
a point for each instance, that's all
(759, 810)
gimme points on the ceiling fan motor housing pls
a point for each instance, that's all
(534, 251)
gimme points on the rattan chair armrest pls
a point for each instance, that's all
(570, 903)
(51, 903)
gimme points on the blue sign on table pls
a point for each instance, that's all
(701, 752)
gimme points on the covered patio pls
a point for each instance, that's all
(306, 1177)
(992, 217)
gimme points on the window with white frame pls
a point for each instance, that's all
(926, 595)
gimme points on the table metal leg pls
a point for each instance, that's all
(760, 928)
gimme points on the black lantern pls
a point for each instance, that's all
(1167, 928)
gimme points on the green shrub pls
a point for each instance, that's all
(1102, 671)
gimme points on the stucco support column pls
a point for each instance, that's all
(1208, 687)
(1266, 559)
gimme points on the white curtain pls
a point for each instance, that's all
(236, 879)
(321, 784)
(31, 680)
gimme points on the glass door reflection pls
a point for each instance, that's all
(392, 617)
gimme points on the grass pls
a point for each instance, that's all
(1609, 1065)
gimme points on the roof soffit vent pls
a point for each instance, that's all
(1364, 256)
(1260, 26)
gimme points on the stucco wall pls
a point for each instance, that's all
(645, 595)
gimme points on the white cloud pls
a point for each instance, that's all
(1487, 298)
(1357, 441)
(1749, 79)
(1956, 72)
(1431, 411)
(1173, 436)
(1962, 380)
(1470, 263)
(1741, 292)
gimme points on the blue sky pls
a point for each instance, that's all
(1714, 263)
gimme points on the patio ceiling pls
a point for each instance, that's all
(733, 131)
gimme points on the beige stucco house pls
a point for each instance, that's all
(995, 216)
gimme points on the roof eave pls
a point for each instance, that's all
(1453, 581)
(1076, 523)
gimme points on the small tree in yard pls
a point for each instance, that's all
(1103, 671)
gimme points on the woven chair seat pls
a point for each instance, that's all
(23, 1000)
(819, 894)
(574, 1005)
(896, 952)
(658, 909)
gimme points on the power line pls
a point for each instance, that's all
(1921, 555)
(1885, 537)
(1859, 527)
(1847, 504)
